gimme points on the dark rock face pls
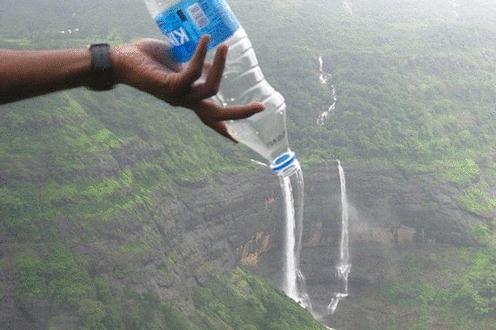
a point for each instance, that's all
(235, 220)
(391, 216)
(207, 227)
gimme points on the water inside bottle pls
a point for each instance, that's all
(244, 82)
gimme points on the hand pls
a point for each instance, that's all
(148, 66)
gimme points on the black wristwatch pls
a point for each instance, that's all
(102, 77)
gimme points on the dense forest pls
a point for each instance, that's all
(416, 89)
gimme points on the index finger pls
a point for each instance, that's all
(194, 69)
(213, 111)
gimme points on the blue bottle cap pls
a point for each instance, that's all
(282, 162)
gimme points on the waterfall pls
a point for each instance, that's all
(289, 284)
(324, 76)
(326, 79)
(344, 267)
(294, 281)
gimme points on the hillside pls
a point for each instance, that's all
(96, 190)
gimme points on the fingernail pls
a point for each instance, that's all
(224, 50)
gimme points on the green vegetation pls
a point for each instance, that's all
(234, 301)
(461, 172)
(492, 170)
(59, 277)
(416, 91)
(475, 291)
(454, 286)
(478, 201)
(243, 301)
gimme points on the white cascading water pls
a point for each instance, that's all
(326, 79)
(289, 284)
(344, 267)
(294, 281)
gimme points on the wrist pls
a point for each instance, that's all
(117, 61)
(101, 77)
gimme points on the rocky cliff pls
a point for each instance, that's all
(396, 219)
(171, 248)
(175, 244)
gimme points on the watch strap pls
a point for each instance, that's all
(101, 78)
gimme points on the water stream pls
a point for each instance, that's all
(289, 284)
(326, 79)
(343, 269)
(293, 195)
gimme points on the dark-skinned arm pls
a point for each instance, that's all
(145, 65)
(25, 74)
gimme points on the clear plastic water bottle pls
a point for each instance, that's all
(184, 22)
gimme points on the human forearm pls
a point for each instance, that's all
(146, 65)
(25, 74)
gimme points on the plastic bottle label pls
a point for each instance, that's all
(185, 23)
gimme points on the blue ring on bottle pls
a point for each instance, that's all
(284, 161)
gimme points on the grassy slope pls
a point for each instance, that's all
(416, 90)
(442, 287)
(246, 302)
(234, 301)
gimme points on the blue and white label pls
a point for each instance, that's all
(185, 23)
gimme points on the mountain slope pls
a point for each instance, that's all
(105, 196)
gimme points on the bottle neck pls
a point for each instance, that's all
(285, 165)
